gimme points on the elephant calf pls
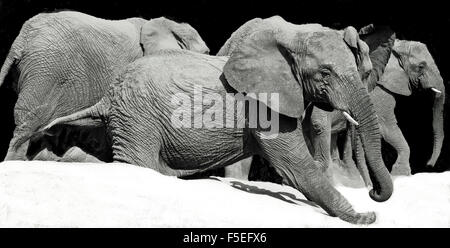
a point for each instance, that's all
(67, 60)
(153, 123)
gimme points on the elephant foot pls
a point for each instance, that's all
(46, 155)
(366, 218)
(401, 170)
(75, 154)
(361, 218)
(338, 162)
(16, 155)
(342, 174)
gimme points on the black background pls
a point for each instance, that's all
(424, 21)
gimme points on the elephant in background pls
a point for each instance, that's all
(302, 63)
(66, 60)
(399, 68)
(410, 68)
(322, 127)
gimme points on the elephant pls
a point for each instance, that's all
(410, 68)
(67, 59)
(241, 169)
(152, 122)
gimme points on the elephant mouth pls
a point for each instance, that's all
(329, 108)
(324, 106)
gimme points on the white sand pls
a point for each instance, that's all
(51, 194)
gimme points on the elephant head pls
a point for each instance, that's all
(162, 33)
(411, 67)
(310, 63)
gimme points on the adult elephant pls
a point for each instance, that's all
(149, 110)
(410, 68)
(360, 50)
(67, 59)
(322, 127)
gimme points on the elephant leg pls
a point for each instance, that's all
(348, 152)
(289, 155)
(19, 153)
(46, 155)
(16, 152)
(335, 157)
(361, 163)
(394, 136)
(344, 174)
(239, 170)
(384, 104)
(321, 137)
(75, 154)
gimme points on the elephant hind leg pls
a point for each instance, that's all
(76, 154)
(17, 153)
(239, 170)
(18, 146)
(30, 121)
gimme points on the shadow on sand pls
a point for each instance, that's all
(284, 196)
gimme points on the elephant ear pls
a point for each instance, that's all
(260, 64)
(376, 36)
(359, 49)
(367, 29)
(395, 78)
(162, 33)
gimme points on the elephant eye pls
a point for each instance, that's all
(421, 66)
(325, 72)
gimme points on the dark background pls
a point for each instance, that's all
(424, 21)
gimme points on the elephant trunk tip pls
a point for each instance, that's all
(379, 196)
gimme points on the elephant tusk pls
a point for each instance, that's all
(436, 90)
(349, 118)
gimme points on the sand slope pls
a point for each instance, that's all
(51, 194)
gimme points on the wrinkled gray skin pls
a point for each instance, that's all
(241, 169)
(300, 62)
(66, 61)
(410, 67)
(323, 127)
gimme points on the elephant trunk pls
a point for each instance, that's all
(369, 133)
(438, 125)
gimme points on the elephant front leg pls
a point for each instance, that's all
(334, 150)
(321, 138)
(348, 152)
(394, 136)
(290, 157)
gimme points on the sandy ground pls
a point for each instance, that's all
(51, 194)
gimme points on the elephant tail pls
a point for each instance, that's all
(92, 116)
(14, 55)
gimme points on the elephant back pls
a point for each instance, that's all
(72, 57)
